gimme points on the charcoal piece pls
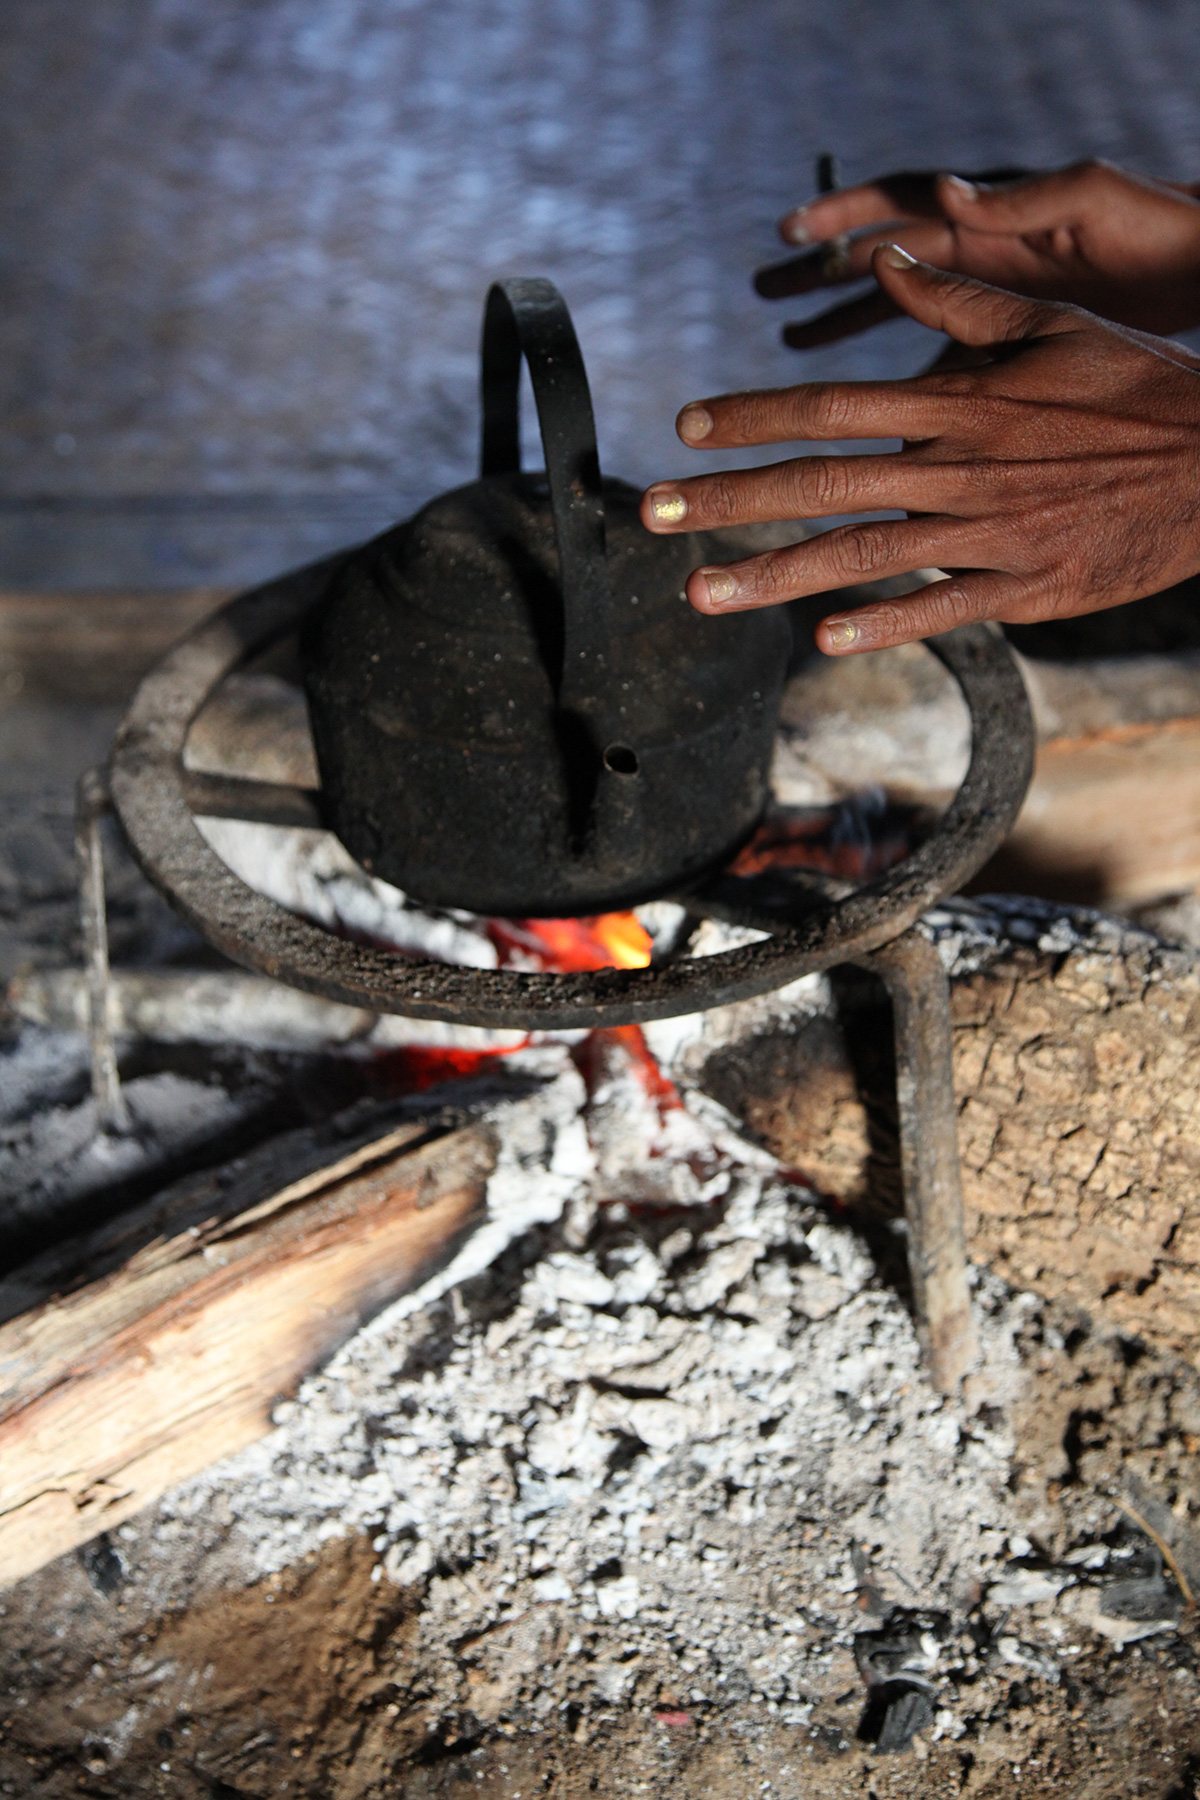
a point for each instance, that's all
(102, 1565)
(894, 1713)
(897, 1647)
(1142, 1598)
(828, 1739)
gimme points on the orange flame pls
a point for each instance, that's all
(609, 941)
(625, 939)
(805, 838)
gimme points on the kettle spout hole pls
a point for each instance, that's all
(619, 759)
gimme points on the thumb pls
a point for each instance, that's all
(970, 311)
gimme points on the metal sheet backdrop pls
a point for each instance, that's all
(244, 246)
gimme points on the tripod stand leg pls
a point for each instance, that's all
(933, 1204)
(92, 802)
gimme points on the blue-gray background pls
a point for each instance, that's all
(244, 243)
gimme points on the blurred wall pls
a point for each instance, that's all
(244, 243)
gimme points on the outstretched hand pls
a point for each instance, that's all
(1122, 245)
(1061, 476)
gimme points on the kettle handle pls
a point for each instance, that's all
(529, 318)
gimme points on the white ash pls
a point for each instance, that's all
(228, 1006)
(972, 935)
(52, 1154)
(310, 872)
(640, 1453)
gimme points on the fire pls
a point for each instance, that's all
(411, 1071)
(567, 946)
(564, 946)
(629, 1041)
(857, 839)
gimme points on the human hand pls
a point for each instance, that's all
(1062, 476)
(1124, 246)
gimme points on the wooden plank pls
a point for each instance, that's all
(116, 1391)
(1112, 818)
(93, 647)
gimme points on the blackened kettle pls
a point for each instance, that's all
(516, 711)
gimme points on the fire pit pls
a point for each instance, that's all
(809, 924)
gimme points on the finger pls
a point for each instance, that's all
(824, 487)
(965, 309)
(841, 321)
(957, 600)
(1037, 203)
(872, 203)
(826, 266)
(832, 265)
(907, 195)
(815, 411)
(838, 558)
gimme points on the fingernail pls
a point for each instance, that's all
(896, 258)
(842, 633)
(794, 230)
(721, 586)
(694, 422)
(966, 190)
(668, 508)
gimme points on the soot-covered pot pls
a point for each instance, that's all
(516, 710)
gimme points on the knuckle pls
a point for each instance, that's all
(755, 417)
(952, 384)
(951, 602)
(1046, 596)
(769, 414)
(720, 499)
(860, 549)
(1064, 578)
(776, 574)
(895, 621)
(728, 413)
(827, 409)
(944, 604)
(748, 416)
(822, 482)
(999, 483)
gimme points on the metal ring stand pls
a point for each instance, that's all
(154, 799)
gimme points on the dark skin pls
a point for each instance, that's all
(1058, 473)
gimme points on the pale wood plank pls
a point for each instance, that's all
(124, 1387)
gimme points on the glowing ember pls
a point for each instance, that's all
(414, 1068)
(626, 1044)
(856, 840)
(609, 941)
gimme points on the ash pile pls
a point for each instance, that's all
(671, 1454)
(672, 1451)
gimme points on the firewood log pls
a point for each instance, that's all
(115, 1390)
